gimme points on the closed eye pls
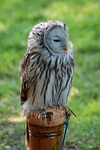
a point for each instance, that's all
(56, 40)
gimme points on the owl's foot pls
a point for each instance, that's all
(39, 114)
(41, 111)
(44, 113)
(58, 106)
(53, 106)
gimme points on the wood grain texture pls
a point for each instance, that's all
(46, 129)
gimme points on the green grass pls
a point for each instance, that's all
(17, 18)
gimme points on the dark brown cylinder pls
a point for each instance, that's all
(46, 138)
(46, 132)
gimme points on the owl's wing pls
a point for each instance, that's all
(23, 92)
(24, 86)
(23, 64)
(23, 77)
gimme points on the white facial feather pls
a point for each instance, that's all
(56, 40)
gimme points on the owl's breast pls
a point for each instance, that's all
(49, 82)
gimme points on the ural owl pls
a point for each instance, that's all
(47, 68)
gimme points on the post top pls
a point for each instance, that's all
(51, 117)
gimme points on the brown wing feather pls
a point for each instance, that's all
(23, 77)
(23, 93)
(23, 64)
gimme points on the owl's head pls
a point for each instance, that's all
(52, 35)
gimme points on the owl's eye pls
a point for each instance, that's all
(56, 40)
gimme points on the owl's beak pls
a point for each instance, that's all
(66, 48)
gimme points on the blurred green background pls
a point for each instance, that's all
(17, 18)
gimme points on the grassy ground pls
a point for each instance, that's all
(17, 18)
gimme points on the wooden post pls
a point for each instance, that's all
(46, 129)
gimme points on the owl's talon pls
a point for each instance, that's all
(45, 113)
(58, 106)
(55, 106)
(39, 114)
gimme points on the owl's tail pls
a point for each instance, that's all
(27, 137)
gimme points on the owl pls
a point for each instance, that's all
(47, 68)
